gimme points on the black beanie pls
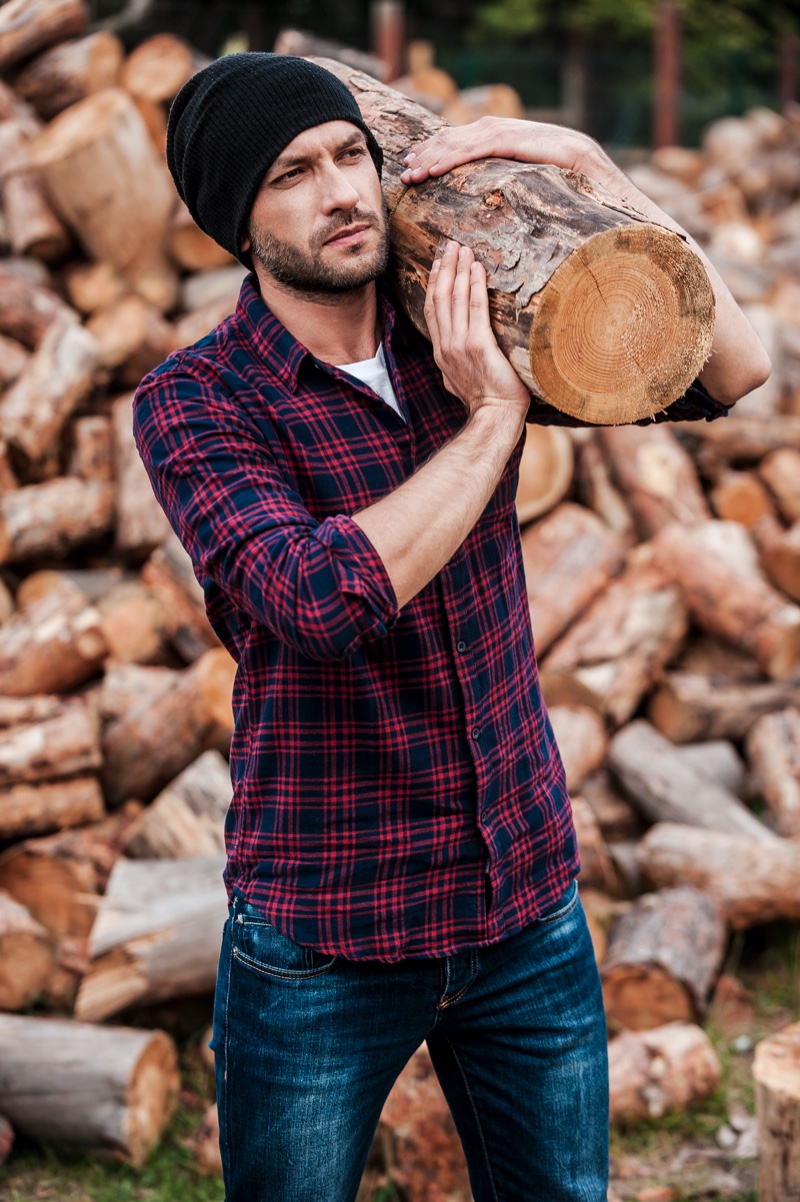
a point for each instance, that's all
(229, 123)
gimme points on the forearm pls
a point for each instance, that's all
(418, 527)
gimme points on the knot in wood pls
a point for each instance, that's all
(493, 200)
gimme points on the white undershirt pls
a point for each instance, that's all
(374, 374)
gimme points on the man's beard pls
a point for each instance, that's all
(303, 271)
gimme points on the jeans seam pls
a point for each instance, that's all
(448, 1001)
(285, 974)
(477, 1119)
(563, 913)
(226, 1141)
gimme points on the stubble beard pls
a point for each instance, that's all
(303, 270)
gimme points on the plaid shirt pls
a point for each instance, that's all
(397, 790)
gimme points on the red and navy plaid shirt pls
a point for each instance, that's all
(397, 790)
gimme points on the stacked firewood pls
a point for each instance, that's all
(663, 569)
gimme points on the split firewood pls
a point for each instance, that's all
(751, 884)
(92, 453)
(654, 1072)
(597, 868)
(16, 710)
(71, 965)
(665, 788)
(159, 67)
(663, 958)
(13, 358)
(610, 656)
(631, 882)
(205, 1144)
(306, 45)
(59, 589)
(188, 817)
(688, 706)
(523, 222)
(68, 744)
(773, 750)
(776, 1072)
(134, 624)
(30, 25)
(132, 336)
(597, 490)
(716, 567)
(106, 1089)
(748, 439)
(157, 935)
(779, 554)
(581, 739)
(93, 286)
(58, 376)
(192, 248)
(741, 497)
(27, 308)
(717, 760)
(33, 227)
(655, 475)
(616, 816)
(54, 805)
(207, 288)
(53, 517)
(195, 325)
(170, 575)
(147, 748)
(26, 955)
(140, 522)
(126, 686)
(46, 648)
(71, 71)
(780, 470)
(569, 557)
(545, 471)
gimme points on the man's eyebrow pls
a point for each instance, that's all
(285, 162)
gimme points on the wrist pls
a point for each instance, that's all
(496, 425)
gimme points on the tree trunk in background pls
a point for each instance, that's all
(667, 75)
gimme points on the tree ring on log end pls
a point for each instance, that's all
(152, 1096)
(623, 326)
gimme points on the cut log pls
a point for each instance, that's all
(773, 750)
(157, 935)
(13, 358)
(665, 788)
(154, 116)
(27, 308)
(716, 568)
(93, 286)
(688, 706)
(30, 25)
(107, 1089)
(741, 497)
(751, 884)
(597, 490)
(159, 67)
(748, 439)
(132, 336)
(92, 453)
(38, 809)
(68, 73)
(15, 710)
(652, 1073)
(26, 955)
(51, 518)
(616, 816)
(141, 525)
(780, 470)
(59, 589)
(170, 575)
(545, 471)
(56, 379)
(569, 556)
(597, 868)
(581, 739)
(717, 760)
(147, 748)
(126, 686)
(134, 625)
(776, 1072)
(523, 222)
(779, 554)
(33, 227)
(195, 325)
(655, 475)
(663, 958)
(188, 817)
(47, 649)
(306, 45)
(210, 287)
(67, 744)
(192, 248)
(611, 655)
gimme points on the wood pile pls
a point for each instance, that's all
(661, 569)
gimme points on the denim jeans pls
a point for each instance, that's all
(308, 1046)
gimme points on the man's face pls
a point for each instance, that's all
(319, 222)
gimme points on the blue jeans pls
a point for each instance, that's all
(308, 1046)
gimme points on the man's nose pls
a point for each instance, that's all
(339, 192)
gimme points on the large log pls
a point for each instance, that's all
(691, 705)
(157, 935)
(27, 307)
(561, 255)
(654, 1072)
(776, 1072)
(26, 955)
(170, 575)
(141, 525)
(663, 957)
(110, 1089)
(159, 67)
(53, 517)
(192, 248)
(68, 73)
(53, 805)
(134, 624)
(67, 744)
(306, 45)
(665, 788)
(126, 686)
(581, 739)
(597, 490)
(48, 647)
(752, 884)
(545, 471)
(30, 25)
(780, 470)
(188, 817)
(655, 475)
(773, 750)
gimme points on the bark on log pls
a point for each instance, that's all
(717, 760)
(665, 788)
(26, 955)
(67, 744)
(663, 958)
(169, 573)
(776, 1071)
(773, 750)
(107, 1089)
(141, 525)
(655, 475)
(780, 471)
(188, 817)
(159, 67)
(91, 455)
(52, 517)
(688, 706)
(611, 655)
(581, 739)
(134, 624)
(597, 490)
(654, 1072)
(149, 746)
(716, 568)
(569, 557)
(55, 805)
(30, 25)
(68, 73)
(15, 710)
(524, 223)
(752, 884)
(545, 471)
(47, 649)
(58, 376)
(157, 935)
(27, 308)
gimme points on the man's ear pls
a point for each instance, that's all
(246, 243)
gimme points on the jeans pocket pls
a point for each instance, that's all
(262, 948)
(563, 907)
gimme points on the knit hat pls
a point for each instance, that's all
(229, 123)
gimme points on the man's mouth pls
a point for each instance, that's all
(348, 235)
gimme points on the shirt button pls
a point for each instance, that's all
(461, 646)
(476, 734)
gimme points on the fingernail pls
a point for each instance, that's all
(412, 154)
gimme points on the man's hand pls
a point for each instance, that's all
(464, 346)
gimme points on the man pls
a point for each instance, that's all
(401, 855)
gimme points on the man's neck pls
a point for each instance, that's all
(337, 327)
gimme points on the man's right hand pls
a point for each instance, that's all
(464, 346)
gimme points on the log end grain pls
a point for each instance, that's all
(152, 1096)
(623, 326)
(641, 996)
(776, 1069)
